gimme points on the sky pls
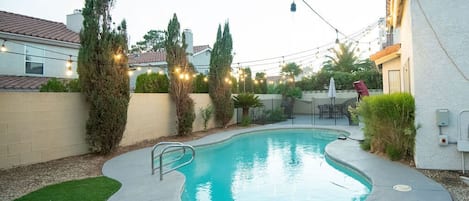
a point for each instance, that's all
(261, 29)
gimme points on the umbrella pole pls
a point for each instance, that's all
(335, 115)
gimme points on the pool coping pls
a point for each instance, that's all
(132, 169)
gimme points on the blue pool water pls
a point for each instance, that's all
(279, 165)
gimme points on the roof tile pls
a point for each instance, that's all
(30, 26)
(9, 82)
(387, 51)
(159, 56)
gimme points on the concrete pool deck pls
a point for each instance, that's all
(134, 172)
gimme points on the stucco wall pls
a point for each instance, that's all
(14, 64)
(394, 64)
(37, 127)
(437, 83)
(201, 62)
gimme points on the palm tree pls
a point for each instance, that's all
(289, 91)
(343, 59)
(246, 101)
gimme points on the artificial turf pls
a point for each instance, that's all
(90, 189)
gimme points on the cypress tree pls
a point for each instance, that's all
(180, 73)
(102, 69)
(220, 67)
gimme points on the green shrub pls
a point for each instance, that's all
(53, 85)
(365, 145)
(206, 114)
(73, 85)
(152, 83)
(389, 122)
(393, 153)
(275, 115)
(246, 121)
(201, 84)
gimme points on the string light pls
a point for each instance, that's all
(139, 68)
(117, 56)
(130, 72)
(148, 70)
(3, 48)
(69, 66)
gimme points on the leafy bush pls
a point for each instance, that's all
(389, 124)
(246, 121)
(152, 83)
(206, 114)
(393, 153)
(275, 115)
(55, 85)
(73, 85)
(201, 84)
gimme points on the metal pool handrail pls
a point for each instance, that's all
(162, 148)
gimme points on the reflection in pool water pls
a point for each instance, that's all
(284, 164)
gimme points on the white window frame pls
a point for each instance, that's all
(33, 56)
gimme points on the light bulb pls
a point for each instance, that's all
(69, 71)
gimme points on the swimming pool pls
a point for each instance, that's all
(285, 164)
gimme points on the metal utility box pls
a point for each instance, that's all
(442, 117)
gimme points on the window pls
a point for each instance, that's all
(34, 60)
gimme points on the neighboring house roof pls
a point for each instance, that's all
(18, 83)
(159, 56)
(387, 54)
(31, 26)
(201, 48)
(147, 57)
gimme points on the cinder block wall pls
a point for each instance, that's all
(38, 127)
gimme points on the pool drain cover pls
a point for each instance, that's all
(402, 188)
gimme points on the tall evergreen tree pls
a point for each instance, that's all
(102, 69)
(220, 67)
(180, 73)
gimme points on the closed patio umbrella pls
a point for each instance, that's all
(332, 93)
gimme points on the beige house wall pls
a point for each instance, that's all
(38, 127)
(394, 64)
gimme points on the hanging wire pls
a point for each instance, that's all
(39, 48)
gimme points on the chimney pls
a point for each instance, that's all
(75, 21)
(189, 42)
